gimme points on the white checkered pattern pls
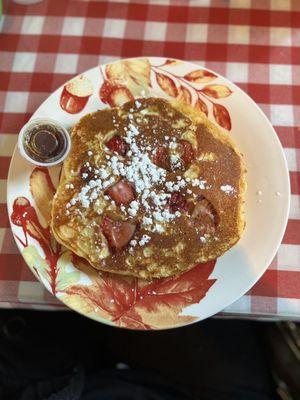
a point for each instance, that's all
(32, 25)
(24, 62)
(73, 26)
(66, 63)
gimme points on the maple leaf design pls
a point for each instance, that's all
(137, 304)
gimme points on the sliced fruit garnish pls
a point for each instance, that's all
(86, 173)
(118, 233)
(161, 158)
(187, 151)
(117, 145)
(122, 192)
(177, 202)
(204, 215)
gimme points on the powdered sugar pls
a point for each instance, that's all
(133, 208)
(201, 183)
(158, 228)
(228, 189)
(145, 239)
(151, 185)
(147, 221)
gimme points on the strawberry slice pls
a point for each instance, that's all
(161, 158)
(87, 173)
(204, 216)
(177, 202)
(118, 233)
(117, 145)
(122, 192)
(187, 151)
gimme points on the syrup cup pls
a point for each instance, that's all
(34, 123)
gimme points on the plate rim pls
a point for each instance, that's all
(287, 181)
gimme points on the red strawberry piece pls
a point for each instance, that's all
(117, 145)
(162, 158)
(187, 151)
(177, 202)
(204, 215)
(122, 192)
(118, 233)
(87, 173)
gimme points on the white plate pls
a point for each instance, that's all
(121, 301)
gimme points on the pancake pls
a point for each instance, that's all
(149, 189)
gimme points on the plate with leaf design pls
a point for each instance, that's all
(207, 288)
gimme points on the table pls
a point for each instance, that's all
(256, 44)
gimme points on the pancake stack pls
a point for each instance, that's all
(149, 190)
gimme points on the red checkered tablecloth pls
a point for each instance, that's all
(254, 43)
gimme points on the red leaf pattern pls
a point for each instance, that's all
(184, 95)
(200, 76)
(137, 304)
(167, 84)
(128, 302)
(216, 91)
(222, 116)
(170, 62)
(200, 105)
(25, 216)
